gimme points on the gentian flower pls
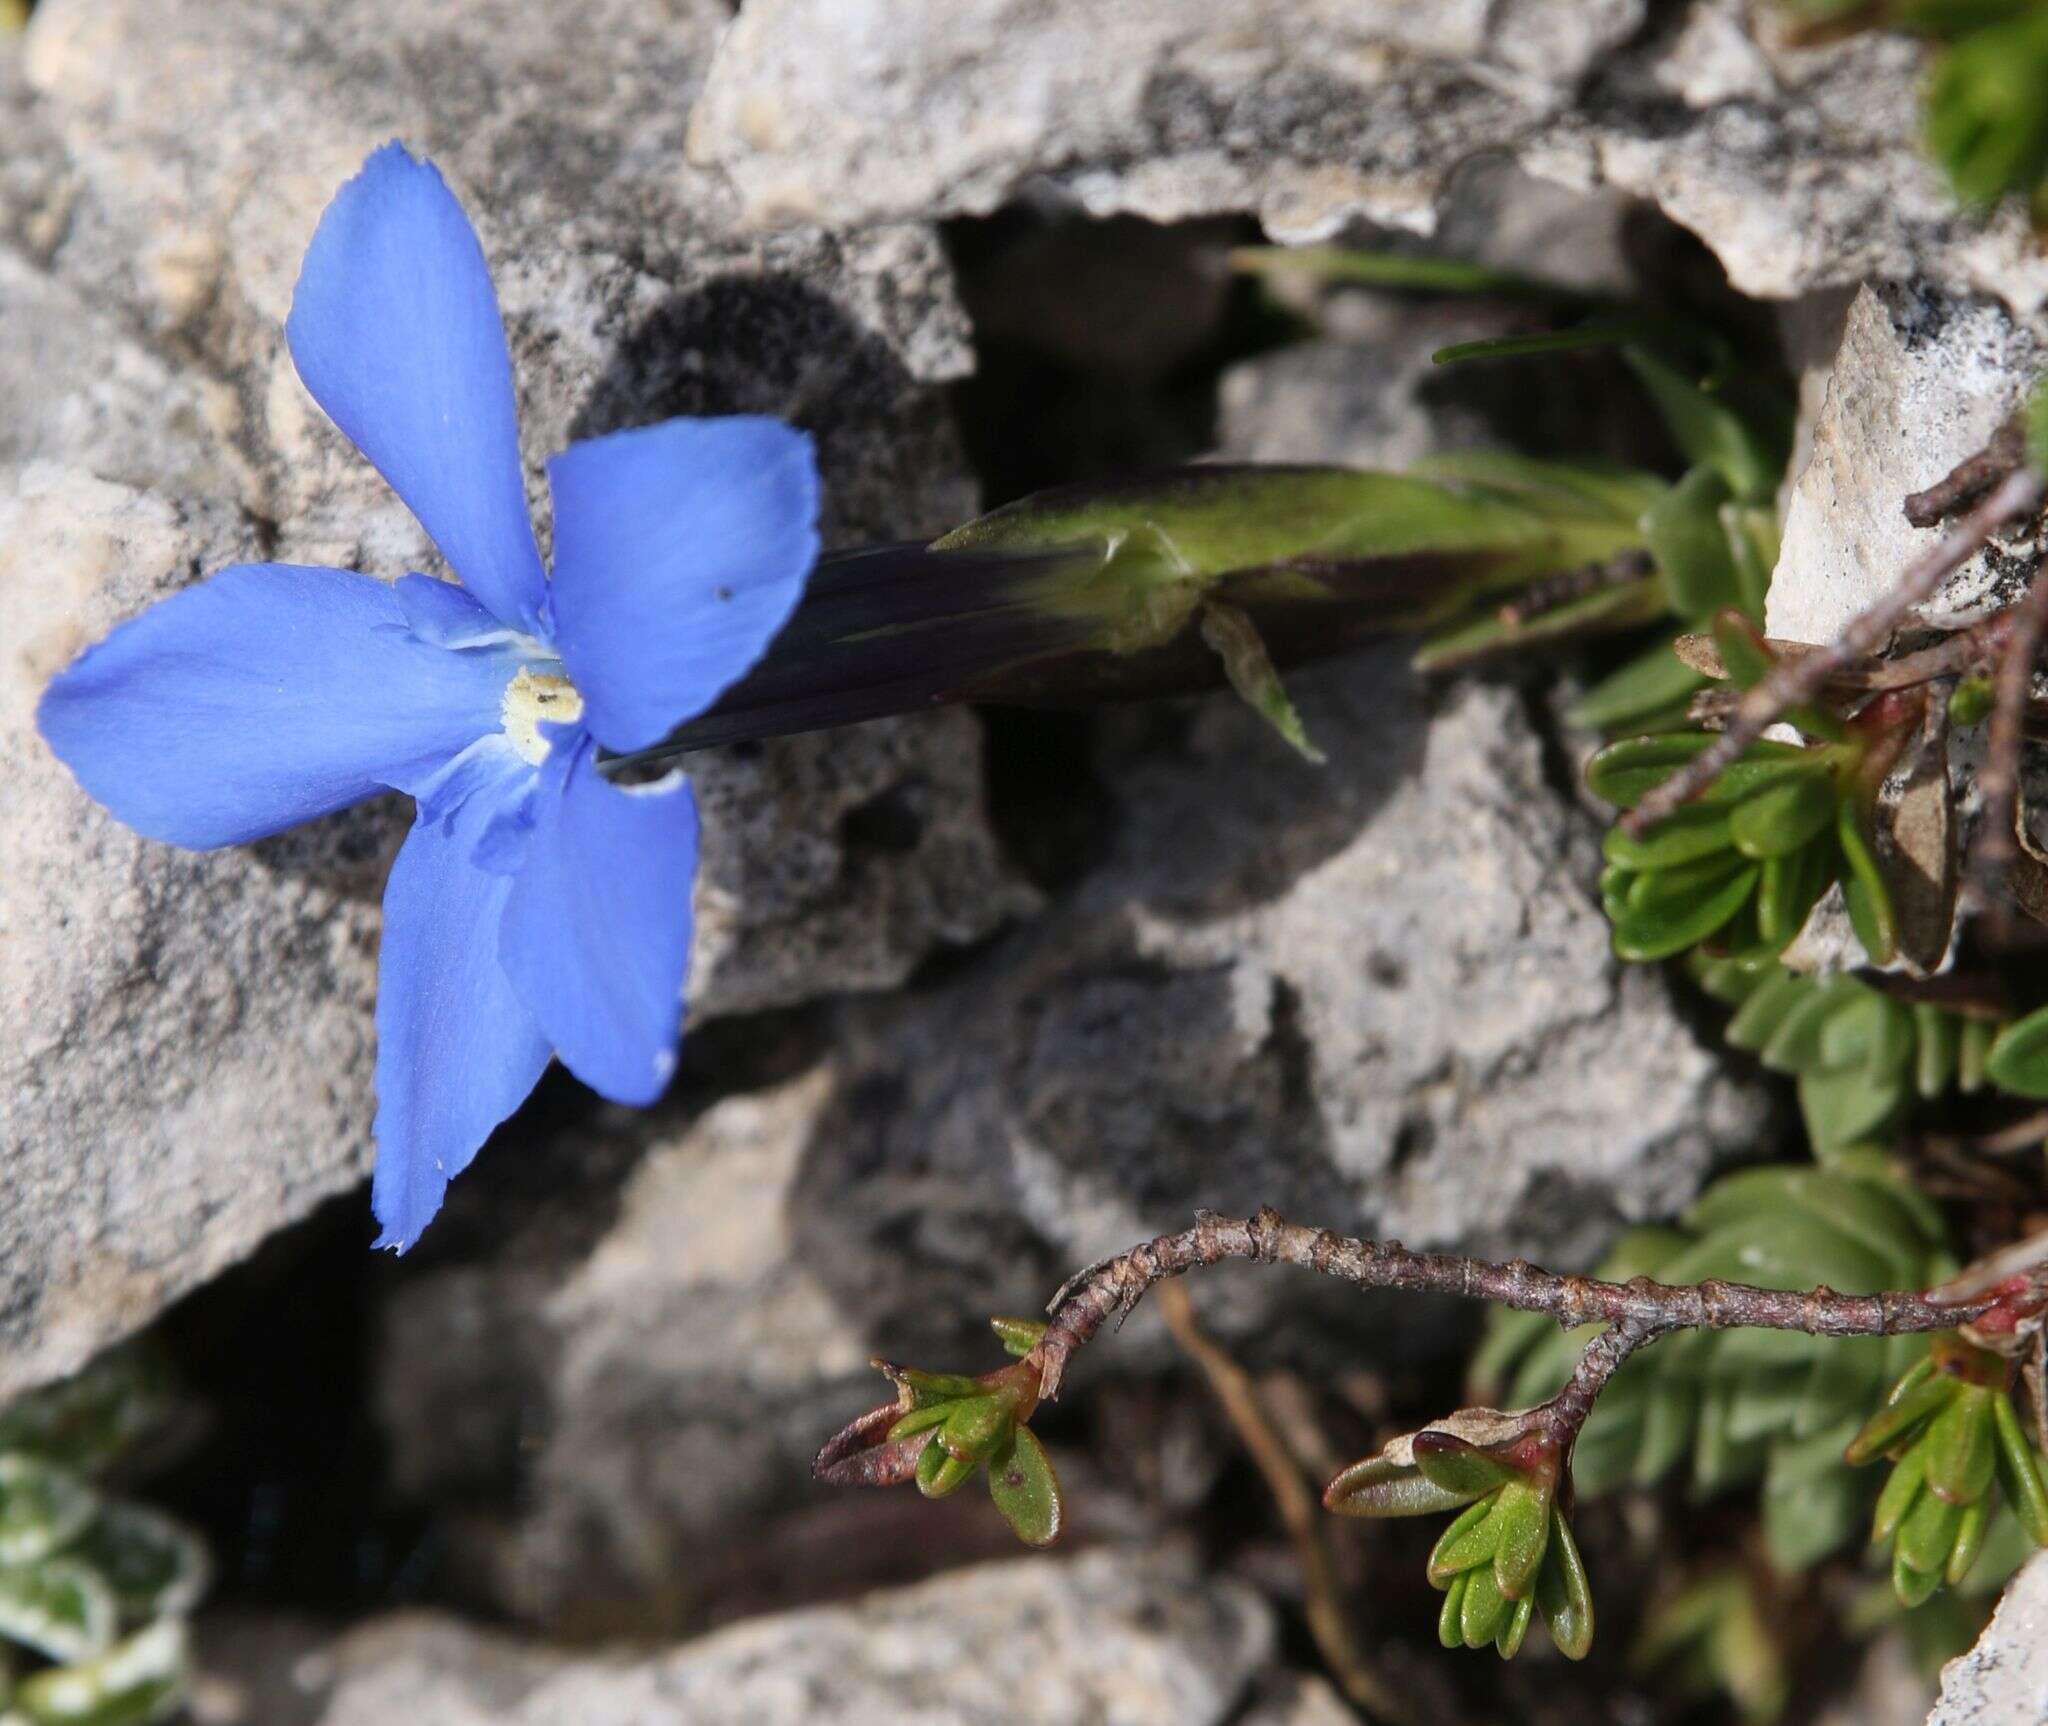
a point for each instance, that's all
(535, 908)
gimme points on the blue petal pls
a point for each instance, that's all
(680, 549)
(446, 615)
(396, 332)
(596, 938)
(261, 698)
(456, 1050)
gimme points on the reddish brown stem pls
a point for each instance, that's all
(1795, 682)
(1999, 783)
(1638, 1310)
(1971, 477)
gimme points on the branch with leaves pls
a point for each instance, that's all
(1510, 1553)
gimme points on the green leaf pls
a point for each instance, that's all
(1026, 1491)
(1752, 531)
(1984, 120)
(1763, 1403)
(1936, 1038)
(2019, 1471)
(1684, 836)
(940, 1472)
(1871, 913)
(1787, 892)
(1457, 1465)
(1808, 1514)
(1757, 1020)
(1709, 431)
(88, 1420)
(1913, 1587)
(1683, 884)
(1468, 1542)
(1783, 817)
(1718, 1462)
(927, 1388)
(1902, 1489)
(1684, 533)
(1563, 1595)
(2018, 1060)
(1743, 651)
(1508, 1643)
(1019, 1336)
(139, 1682)
(1875, 1033)
(1901, 1419)
(1522, 1521)
(920, 1420)
(1795, 1045)
(156, 1566)
(1485, 1608)
(1508, 1336)
(1654, 681)
(1666, 1431)
(1450, 1629)
(976, 1426)
(42, 1508)
(1959, 1447)
(1972, 701)
(1927, 1533)
(1973, 1054)
(1378, 1487)
(1969, 1540)
(1658, 932)
(1573, 340)
(1842, 1108)
(60, 1608)
(1625, 770)
(1502, 630)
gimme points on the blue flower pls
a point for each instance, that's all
(535, 909)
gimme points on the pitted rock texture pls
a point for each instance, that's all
(1377, 994)
(658, 1382)
(1029, 1642)
(2003, 1681)
(1799, 166)
(1914, 382)
(186, 1043)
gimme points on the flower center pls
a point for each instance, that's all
(533, 698)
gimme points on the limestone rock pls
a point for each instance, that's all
(1915, 382)
(1378, 994)
(1798, 166)
(186, 1038)
(1027, 1642)
(2003, 1681)
(658, 1387)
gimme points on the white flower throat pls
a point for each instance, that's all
(534, 698)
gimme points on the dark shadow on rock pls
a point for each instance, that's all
(985, 1128)
(771, 344)
(1218, 816)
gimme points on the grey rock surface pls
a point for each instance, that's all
(1377, 993)
(185, 1043)
(658, 1386)
(1029, 1642)
(1797, 166)
(2003, 1681)
(1909, 383)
